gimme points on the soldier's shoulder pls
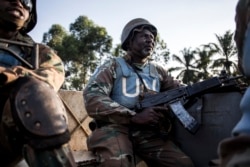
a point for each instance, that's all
(45, 48)
(46, 53)
(110, 63)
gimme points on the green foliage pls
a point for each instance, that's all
(227, 51)
(117, 51)
(81, 49)
(204, 59)
(188, 71)
(87, 45)
(207, 60)
(54, 36)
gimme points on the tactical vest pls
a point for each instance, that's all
(127, 85)
(7, 59)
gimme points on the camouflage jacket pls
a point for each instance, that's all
(98, 103)
(50, 70)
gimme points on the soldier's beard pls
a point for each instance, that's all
(146, 53)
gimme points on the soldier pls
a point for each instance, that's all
(33, 120)
(121, 132)
(235, 151)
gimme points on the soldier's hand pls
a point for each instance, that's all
(160, 109)
(7, 76)
(148, 116)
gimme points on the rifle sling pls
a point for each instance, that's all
(141, 80)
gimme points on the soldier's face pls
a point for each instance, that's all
(13, 12)
(143, 43)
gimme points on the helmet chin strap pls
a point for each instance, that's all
(26, 23)
(8, 25)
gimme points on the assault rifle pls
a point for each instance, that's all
(174, 98)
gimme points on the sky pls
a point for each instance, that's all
(180, 23)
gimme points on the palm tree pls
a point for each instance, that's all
(227, 50)
(188, 73)
(203, 63)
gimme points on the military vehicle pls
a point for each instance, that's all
(217, 112)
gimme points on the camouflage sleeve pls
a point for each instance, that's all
(97, 99)
(167, 81)
(51, 69)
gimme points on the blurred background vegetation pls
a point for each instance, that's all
(86, 45)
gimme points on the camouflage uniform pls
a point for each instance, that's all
(116, 140)
(51, 69)
(235, 151)
(33, 121)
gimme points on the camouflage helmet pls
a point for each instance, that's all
(31, 23)
(130, 26)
